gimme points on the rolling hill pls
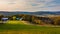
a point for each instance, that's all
(30, 13)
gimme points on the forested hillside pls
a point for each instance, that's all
(55, 20)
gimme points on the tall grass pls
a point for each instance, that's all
(27, 29)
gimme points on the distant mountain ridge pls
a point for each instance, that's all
(31, 13)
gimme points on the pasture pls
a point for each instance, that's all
(20, 28)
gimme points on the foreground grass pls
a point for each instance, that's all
(27, 29)
(20, 28)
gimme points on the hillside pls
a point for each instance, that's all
(39, 17)
(31, 13)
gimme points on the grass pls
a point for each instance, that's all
(14, 22)
(27, 29)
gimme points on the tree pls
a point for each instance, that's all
(57, 20)
(14, 17)
(1, 16)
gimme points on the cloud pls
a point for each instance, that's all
(30, 5)
(50, 5)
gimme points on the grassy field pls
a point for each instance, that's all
(15, 22)
(27, 29)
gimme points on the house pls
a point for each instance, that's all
(4, 20)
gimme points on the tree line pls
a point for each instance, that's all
(35, 19)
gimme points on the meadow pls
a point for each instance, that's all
(22, 28)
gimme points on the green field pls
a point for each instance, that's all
(27, 29)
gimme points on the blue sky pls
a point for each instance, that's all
(30, 5)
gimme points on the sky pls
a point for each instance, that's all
(30, 5)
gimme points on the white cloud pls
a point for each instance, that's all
(28, 5)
